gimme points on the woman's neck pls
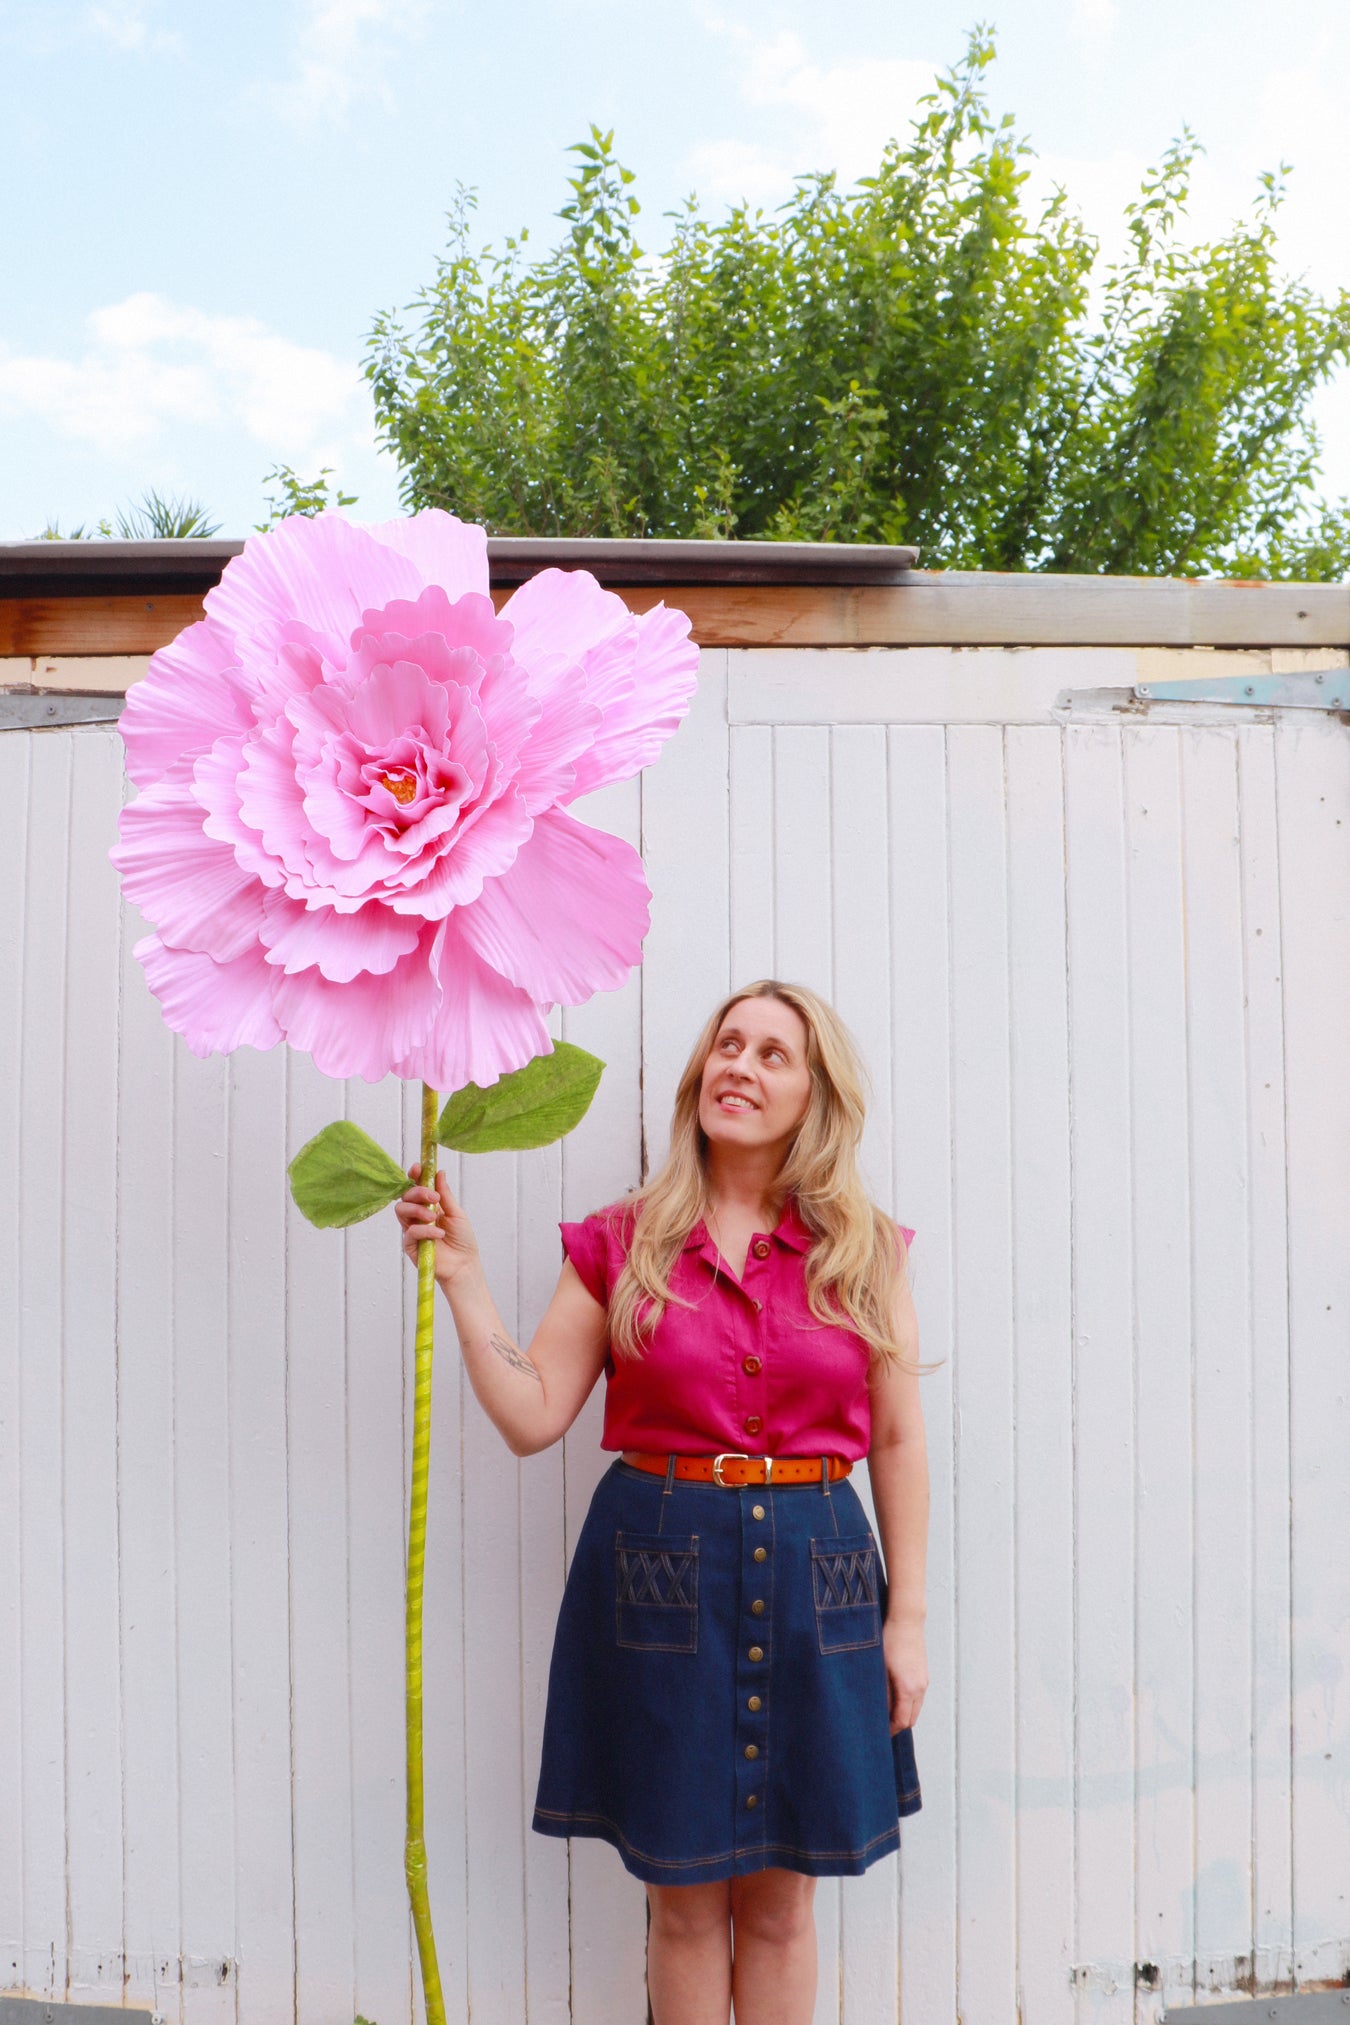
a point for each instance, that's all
(745, 1182)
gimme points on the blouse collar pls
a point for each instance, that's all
(790, 1231)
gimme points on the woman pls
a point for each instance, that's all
(733, 1679)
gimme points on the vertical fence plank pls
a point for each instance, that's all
(751, 847)
(41, 1458)
(89, 1377)
(16, 751)
(862, 996)
(803, 916)
(1103, 1328)
(374, 1272)
(1160, 1162)
(1043, 1375)
(982, 1371)
(148, 1466)
(1267, 1240)
(601, 1161)
(321, 1654)
(201, 1431)
(920, 1002)
(544, 1859)
(259, 1524)
(492, 1663)
(684, 842)
(1223, 1351)
(1314, 802)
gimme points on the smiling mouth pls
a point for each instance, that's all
(731, 1100)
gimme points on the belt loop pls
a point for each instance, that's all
(825, 1487)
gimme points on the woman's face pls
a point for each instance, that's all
(756, 1084)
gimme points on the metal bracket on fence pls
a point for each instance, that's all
(27, 710)
(1324, 689)
(1305, 2007)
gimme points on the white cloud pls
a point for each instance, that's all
(843, 113)
(339, 51)
(1096, 18)
(153, 367)
(127, 25)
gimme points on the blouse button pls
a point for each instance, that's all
(752, 1366)
(753, 1423)
(760, 1248)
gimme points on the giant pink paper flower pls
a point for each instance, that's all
(352, 832)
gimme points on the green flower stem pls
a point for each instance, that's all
(415, 1848)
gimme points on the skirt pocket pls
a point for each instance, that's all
(844, 1585)
(656, 1592)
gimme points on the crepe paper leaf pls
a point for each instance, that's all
(533, 1107)
(342, 1177)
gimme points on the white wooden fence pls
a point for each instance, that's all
(1099, 964)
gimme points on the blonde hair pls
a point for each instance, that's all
(854, 1265)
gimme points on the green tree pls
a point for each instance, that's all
(918, 359)
(292, 494)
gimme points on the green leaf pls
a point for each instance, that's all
(532, 1107)
(342, 1177)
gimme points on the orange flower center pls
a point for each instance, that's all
(402, 786)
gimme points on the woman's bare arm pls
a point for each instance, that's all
(532, 1396)
(897, 1464)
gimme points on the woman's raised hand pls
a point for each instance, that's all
(423, 1214)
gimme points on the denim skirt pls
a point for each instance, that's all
(717, 1698)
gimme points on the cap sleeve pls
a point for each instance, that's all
(586, 1245)
(906, 1234)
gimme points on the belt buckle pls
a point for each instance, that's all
(731, 1455)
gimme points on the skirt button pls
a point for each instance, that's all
(752, 1750)
(752, 1799)
(757, 1652)
(757, 1607)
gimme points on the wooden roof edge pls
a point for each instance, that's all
(918, 609)
(53, 569)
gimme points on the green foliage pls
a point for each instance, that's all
(153, 517)
(532, 1107)
(341, 1177)
(918, 359)
(293, 494)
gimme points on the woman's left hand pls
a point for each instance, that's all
(906, 1656)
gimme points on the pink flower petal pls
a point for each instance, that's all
(216, 787)
(485, 845)
(341, 946)
(484, 1027)
(641, 712)
(216, 1007)
(429, 628)
(640, 671)
(324, 572)
(191, 694)
(364, 1027)
(568, 918)
(188, 884)
(443, 550)
(562, 615)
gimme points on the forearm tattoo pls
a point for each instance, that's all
(517, 1359)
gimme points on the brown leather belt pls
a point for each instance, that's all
(734, 1472)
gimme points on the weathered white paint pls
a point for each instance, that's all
(1099, 969)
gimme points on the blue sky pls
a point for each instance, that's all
(203, 208)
